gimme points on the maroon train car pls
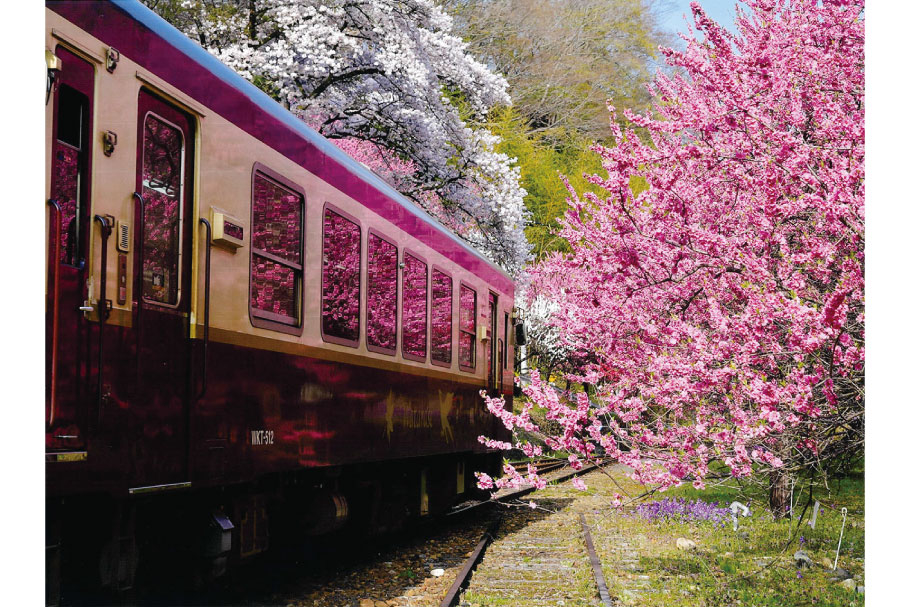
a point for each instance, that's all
(244, 325)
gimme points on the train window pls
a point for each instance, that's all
(162, 189)
(276, 264)
(382, 295)
(467, 325)
(441, 313)
(66, 182)
(414, 308)
(340, 279)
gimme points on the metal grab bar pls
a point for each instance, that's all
(55, 259)
(102, 301)
(208, 282)
(137, 282)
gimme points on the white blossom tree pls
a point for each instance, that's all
(392, 74)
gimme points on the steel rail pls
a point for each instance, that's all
(464, 575)
(516, 493)
(595, 563)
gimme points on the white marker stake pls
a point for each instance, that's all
(790, 514)
(843, 524)
(814, 514)
(737, 508)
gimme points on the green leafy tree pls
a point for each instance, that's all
(565, 59)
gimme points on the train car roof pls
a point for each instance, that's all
(169, 54)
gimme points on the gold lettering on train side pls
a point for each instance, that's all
(445, 408)
(413, 413)
(418, 416)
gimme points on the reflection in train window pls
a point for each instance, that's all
(66, 177)
(162, 189)
(340, 278)
(442, 317)
(276, 268)
(382, 294)
(414, 308)
(467, 327)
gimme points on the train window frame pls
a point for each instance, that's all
(82, 82)
(181, 201)
(463, 284)
(433, 360)
(260, 318)
(328, 338)
(426, 308)
(397, 323)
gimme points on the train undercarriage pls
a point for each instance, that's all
(102, 546)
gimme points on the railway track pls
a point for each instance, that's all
(544, 466)
(548, 562)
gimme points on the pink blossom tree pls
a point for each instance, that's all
(715, 284)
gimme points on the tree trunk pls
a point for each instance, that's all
(780, 494)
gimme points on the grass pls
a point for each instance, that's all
(753, 566)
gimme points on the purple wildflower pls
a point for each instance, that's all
(683, 511)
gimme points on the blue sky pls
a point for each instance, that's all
(676, 12)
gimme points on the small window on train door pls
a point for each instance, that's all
(340, 278)
(414, 308)
(67, 167)
(382, 295)
(467, 328)
(276, 255)
(163, 146)
(441, 318)
(71, 154)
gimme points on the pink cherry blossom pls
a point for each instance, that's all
(713, 294)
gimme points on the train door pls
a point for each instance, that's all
(67, 332)
(161, 294)
(492, 357)
(504, 353)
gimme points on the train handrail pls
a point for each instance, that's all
(54, 204)
(102, 303)
(137, 283)
(208, 282)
